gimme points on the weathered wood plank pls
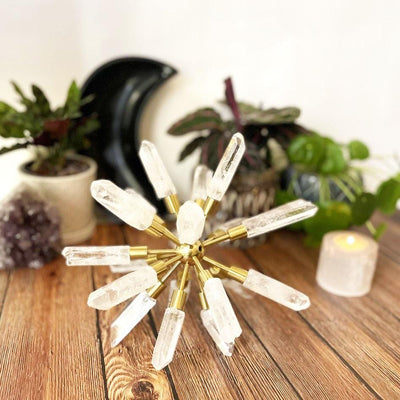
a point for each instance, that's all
(128, 368)
(201, 370)
(4, 279)
(48, 340)
(312, 367)
(336, 325)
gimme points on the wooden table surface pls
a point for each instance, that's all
(53, 346)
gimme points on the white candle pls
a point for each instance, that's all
(347, 263)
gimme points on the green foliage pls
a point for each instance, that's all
(358, 150)
(331, 162)
(52, 132)
(331, 216)
(388, 194)
(362, 208)
(315, 153)
(204, 118)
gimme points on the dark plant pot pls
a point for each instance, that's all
(306, 185)
(249, 194)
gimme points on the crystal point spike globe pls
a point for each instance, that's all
(150, 270)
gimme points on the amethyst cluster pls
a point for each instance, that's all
(29, 230)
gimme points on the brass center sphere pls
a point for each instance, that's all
(189, 251)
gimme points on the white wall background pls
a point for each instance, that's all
(337, 60)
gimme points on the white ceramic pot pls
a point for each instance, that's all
(71, 195)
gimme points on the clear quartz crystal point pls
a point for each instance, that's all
(155, 170)
(190, 222)
(130, 317)
(96, 255)
(209, 323)
(278, 217)
(227, 167)
(131, 208)
(168, 336)
(132, 266)
(222, 311)
(122, 288)
(201, 180)
(276, 291)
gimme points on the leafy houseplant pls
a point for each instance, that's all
(259, 126)
(54, 135)
(323, 171)
(267, 133)
(51, 133)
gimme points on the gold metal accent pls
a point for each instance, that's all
(164, 231)
(138, 252)
(172, 203)
(203, 274)
(237, 232)
(200, 202)
(160, 266)
(221, 237)
(155, 290)
(203, 300)
(188, 251)
(236, 273)
(210, 206)
(151, 260)
(159, 220)
(179, 295)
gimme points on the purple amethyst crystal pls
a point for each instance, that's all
(29, 230)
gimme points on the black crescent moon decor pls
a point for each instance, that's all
(121, 89)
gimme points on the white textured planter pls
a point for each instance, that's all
(71, 195)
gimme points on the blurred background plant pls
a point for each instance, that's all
(51, 133)
(267, 132)
(325, 172)
(310, 166)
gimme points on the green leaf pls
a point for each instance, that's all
(15, 146)
(41, 101)
(358, 150)
(72, 103)
(23, 99)
(388, 195)
(270, 116)
(5, 109)
(333, 162)
(330, 217)
(379, 231)
(362, 208)
(205, 118)
(191, 147)
(307, 150)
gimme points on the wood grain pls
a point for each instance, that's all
(128, 368)
(48, 341)
(53, 346)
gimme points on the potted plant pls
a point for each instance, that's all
(267, 133)
(56, 171)
(325, 172)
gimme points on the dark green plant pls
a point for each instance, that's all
(52, 133)
(258, 125)
(331, 161)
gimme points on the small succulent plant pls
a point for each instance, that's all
(51, 132)
(258, 125)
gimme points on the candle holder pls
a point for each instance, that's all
(152, 268)
(347, 263)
